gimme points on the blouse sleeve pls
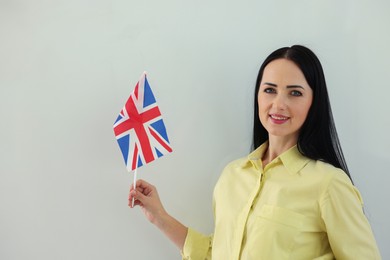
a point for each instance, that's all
(349, 233)
(197, 246)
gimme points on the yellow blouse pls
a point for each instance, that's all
(294, 208)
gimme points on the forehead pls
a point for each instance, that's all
(283, 71)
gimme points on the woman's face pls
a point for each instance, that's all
(284, 99)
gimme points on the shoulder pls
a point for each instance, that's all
(334, 182)
(236, 172)
(237, 163)
(325, 171)
(239, 166)
(322, 167)
(233, 168)
(327, 178)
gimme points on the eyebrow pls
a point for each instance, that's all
(288, 86)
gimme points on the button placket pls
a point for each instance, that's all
(243, 217)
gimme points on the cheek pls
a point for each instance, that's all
(304, 111)
(261, 106)
(262, 113)
(262, 102)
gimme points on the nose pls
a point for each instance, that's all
(280, 102)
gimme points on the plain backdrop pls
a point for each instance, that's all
(68, 66)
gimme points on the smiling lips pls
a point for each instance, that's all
(278, 119)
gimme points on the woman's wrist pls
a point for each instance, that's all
(161, 219)
(172, 228)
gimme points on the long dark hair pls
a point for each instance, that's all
(317, 138)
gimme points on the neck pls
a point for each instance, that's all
(277, 146)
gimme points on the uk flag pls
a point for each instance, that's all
(139, 128)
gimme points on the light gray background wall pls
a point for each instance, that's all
(67, 67)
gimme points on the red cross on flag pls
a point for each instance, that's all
(140, 129)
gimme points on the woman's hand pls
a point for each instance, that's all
(146, 196)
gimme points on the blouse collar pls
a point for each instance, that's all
(292, 159)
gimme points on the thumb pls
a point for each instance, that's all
(138, 196)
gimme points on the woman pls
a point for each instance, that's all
(292, 197)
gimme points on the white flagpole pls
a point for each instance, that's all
(134, 185)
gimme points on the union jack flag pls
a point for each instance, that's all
(139, 128)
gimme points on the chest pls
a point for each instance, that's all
(255, 192)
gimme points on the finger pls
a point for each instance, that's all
(140, 189)
(133, 201)
(136, 202)
(144, 184)
(132, 196)
(138, 196)
(140, 184)
(133, 192)
(132, 187)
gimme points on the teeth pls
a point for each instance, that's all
(279, 117)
